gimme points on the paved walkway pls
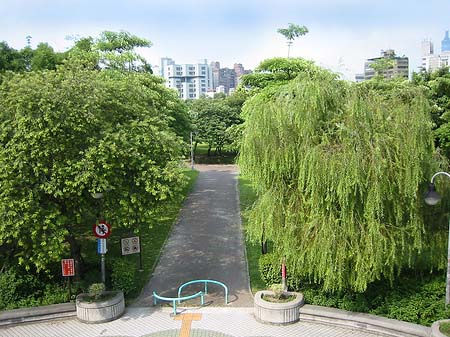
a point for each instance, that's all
(206, 243)
(157, 322)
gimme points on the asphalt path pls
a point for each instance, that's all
(205, 243)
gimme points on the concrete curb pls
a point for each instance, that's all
(37, 314)
(361, 321)
(435, 331)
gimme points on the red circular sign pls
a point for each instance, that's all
(102, 230)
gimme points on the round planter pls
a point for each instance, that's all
(277, 313)
(100, 311)
(435, 332)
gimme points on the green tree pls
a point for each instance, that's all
(68, 133)
(211, 119)
(44, 57)
(338, 169)
(276, 71)
(10, 59)
(437, 85)
(118, 51)
(291, 33)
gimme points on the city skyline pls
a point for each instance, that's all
(342, 33)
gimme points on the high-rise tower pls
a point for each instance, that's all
(445, 45)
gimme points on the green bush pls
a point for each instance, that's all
(123, 275)
(19, 288)
(96, 290)
(270, 268)
(16, 285)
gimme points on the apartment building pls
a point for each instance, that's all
(191, 80)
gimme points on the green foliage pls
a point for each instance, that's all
(277, 71)
(96, 290)
(212, 120)
(437, 85)
(292, 32)
(123, 275)
(277, 289)
(71, 132)
(270, 268)
(117, 51)
(19, 288)
(382, 65)
(445, 328)
(338, 171)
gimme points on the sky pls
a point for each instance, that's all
(342, 33)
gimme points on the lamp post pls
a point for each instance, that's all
(192, 152)
(432, 198)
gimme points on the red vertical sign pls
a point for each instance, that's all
(68, 267)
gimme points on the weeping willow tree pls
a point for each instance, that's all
(339, 170)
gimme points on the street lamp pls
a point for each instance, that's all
(432, 198)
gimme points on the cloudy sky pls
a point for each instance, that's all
(342, 33)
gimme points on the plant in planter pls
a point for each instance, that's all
(441, 328)
(277, 306)
(98, 305)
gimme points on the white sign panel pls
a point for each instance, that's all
(130, 245)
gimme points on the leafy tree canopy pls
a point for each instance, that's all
(339, 170)
(213, 117)
(68, 133)
(276, 71)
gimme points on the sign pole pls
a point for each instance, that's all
(70, 288)
(140, 256)
(102, 266)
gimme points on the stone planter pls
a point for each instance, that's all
(435, 332)
(100, 311)
(277, 313)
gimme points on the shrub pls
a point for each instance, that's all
(96, 290)
(123, 275)
(16, 285)
(270, 268)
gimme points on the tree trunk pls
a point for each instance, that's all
(75, 253)
(209, 150)
(263, 245)
(195, 148)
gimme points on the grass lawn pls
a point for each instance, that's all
(247, 197)
(201, 156)
(152, 240)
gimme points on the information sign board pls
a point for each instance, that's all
(130, 245)
(68, 267)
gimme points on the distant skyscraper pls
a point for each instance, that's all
(427, 48)
(215, 69)
(227, 79)
(432, 61)
(445, 44)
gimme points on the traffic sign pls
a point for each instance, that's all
(130, 245)
(102, 230)
(68, 267)
(101, 246)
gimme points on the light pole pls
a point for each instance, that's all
(192, 153)
(432, 198)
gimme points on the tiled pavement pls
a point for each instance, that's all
(158, 322)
